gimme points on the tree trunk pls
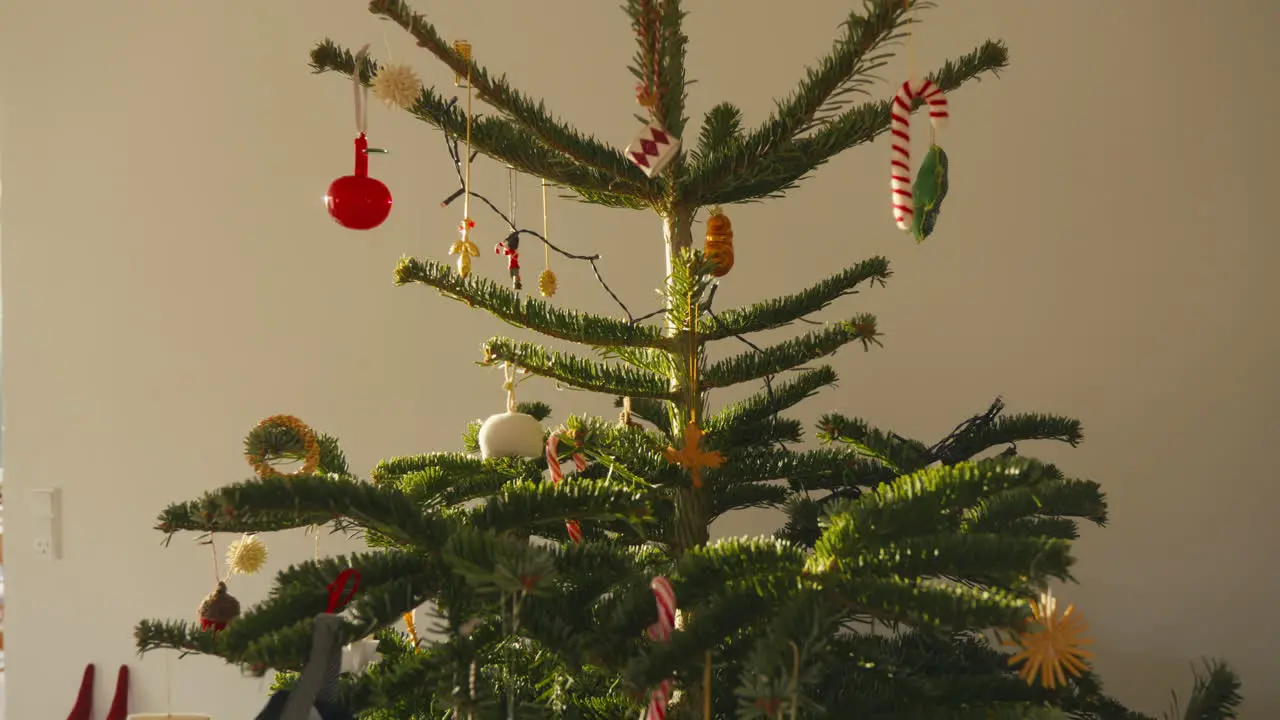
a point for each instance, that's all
(691, 526)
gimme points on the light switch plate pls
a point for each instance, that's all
(44, 503)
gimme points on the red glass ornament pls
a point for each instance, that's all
(358, 201)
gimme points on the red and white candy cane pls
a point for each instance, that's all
(900, 126)
(553, 464)
(661, 632)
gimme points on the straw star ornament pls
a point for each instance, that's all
(1051, 644)
(691, 456)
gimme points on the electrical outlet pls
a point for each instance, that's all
(45, 512)
(43, 547)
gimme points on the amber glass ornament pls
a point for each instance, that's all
(719, 247)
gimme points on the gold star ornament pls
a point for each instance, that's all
(1051, 644)
(691, 457)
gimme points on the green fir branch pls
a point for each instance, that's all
(393, 470)
(820, 469)
(785, 166)
(1215, 696)
(525, 312)
(1010, 430)
(748, 495)
(530, 506)
(276, 633)
(671, 73)
(804, 520)
(765, 405)
(903, 454)
(181, 635)
(1053, 497)
(789, 354)
(632, 453)
(721, 128)
(935, 497)
(758, 435)
(532, 116)
(499, 138)
(922, 673)
(1062, 528)
(928, 603)
(270, 504)
(968, 556)
(404, 684)
(846, 68)
(575, 371)
(659, 362)
(660, 41)
(782, 311)
(446, 479)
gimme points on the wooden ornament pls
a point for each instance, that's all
(719, 247)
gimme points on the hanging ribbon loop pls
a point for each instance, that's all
(361, 92)
(336, 599)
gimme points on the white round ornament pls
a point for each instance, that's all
(510, 434)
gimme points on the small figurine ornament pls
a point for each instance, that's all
(511, 248)
(464, 248)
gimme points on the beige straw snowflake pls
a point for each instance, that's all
(397, 86)
(246, 555)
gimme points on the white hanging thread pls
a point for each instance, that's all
(513, 202)
(361, 93)
(168, 687)
(509, 384)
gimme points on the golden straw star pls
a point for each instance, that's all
(1051, 644)
(691, 457)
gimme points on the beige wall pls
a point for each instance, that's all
(170, 278)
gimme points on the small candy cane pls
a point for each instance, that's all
(553, 464)
(900, 126)
(661, 632)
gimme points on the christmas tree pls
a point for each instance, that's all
(569, 565)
